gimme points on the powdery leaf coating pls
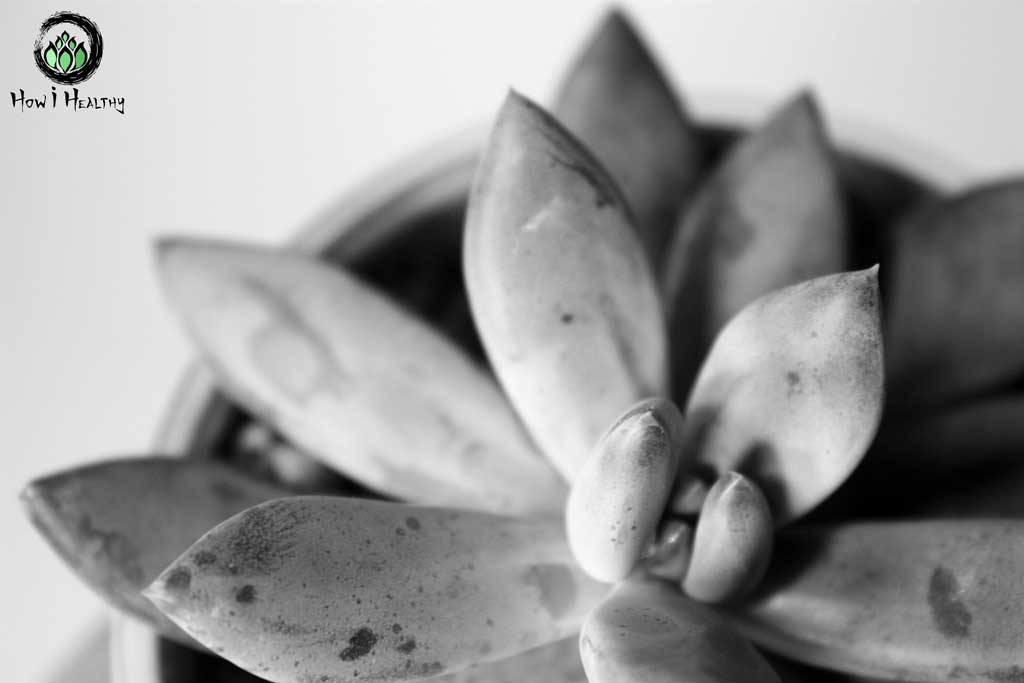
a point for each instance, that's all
(620, 105)
(119, 523)
(649, 632)
(791, 391)
(918, 601)
(621, 491)
(770, 216)
(560, 288)
(732, 543)
(318, 588)
(349, 376)
(954, 317)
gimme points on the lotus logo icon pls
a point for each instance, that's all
(69, 48)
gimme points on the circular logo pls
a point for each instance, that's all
(69, 48)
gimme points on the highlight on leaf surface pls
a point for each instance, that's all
(648, 632)
(119, 523)
(305, 587)
(771, 215)
(791, 392)
(560, 288)
(620, 493)
(921, 601)
(350, 377)
(954, 319)
(620, 105)
(732, 541)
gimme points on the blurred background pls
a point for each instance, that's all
(244, 119)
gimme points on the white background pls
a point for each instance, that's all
(245, 118)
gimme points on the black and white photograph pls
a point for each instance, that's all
(514, 342)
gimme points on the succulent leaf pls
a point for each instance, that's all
(732, 541)
(771, 215)
(791, 391)
(620, 493)
(648, 632)
(119, 523)
(619, 103)
(80, 57)
(559, 285)
(954, 319)
(356, 381)
(326, 586)
(923, 601)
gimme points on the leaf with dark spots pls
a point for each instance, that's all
(179, 579)
(322, 596)
(359, 645)
(951, 616)
(120, 523)
(913, 600)
(246, 594)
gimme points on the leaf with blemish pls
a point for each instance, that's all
(791, 391)
(560, 288)
(922, 601)
(648, 632)
(356, 381)
(119, 523)
(954, 313)
(619, 103)
(395, 592)
(771, 215)
(620, 493)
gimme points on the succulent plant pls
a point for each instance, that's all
(677, 467)
(66, 54)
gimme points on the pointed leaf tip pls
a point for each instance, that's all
(619, 102)
(117, 524)
(284, 585)
(791, 391)
(771, 215)
(552, 265)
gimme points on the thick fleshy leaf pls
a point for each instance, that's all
(620, 105)
(648, 632)
(356, 381)
(791, 391)
(770, 216)
(732, 542)
(560, 288)
(119, 523)
(954, 319)
(620, 493)
(917, 601)
(314, 586)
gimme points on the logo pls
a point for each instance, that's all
(69, 48)
(67, 51)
